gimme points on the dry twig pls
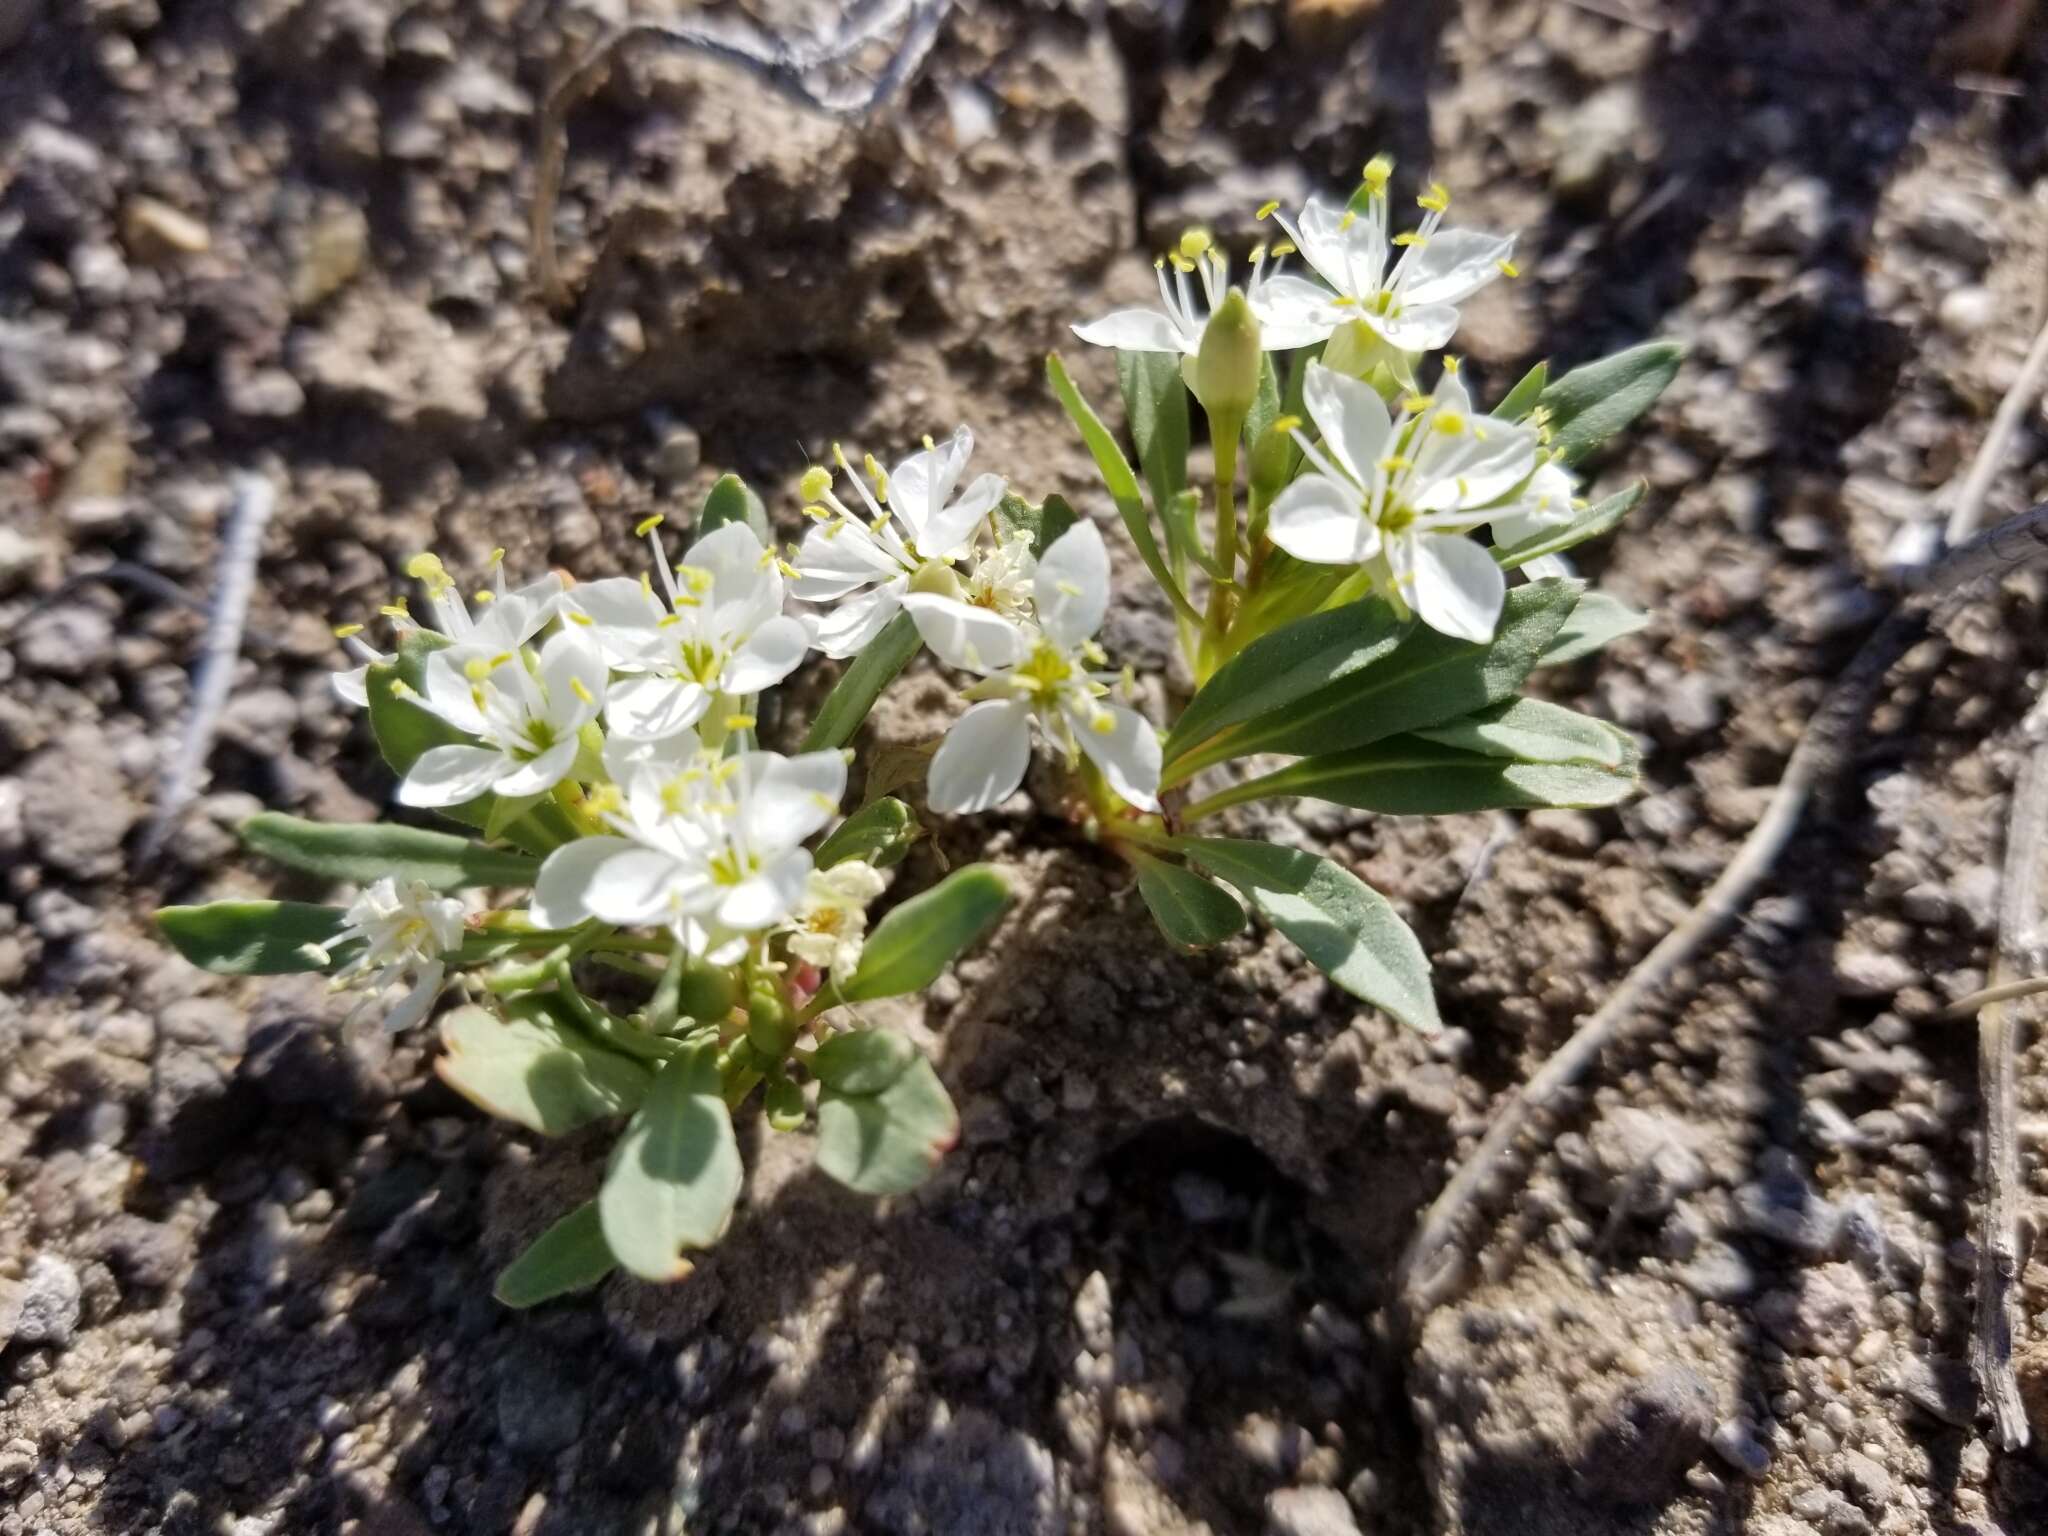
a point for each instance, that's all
(816, 72)
(1433, 1263)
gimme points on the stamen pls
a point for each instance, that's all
(1410, 237)
(1377, 170)
(576, 687)
(1437, 199)
(1508, 268)
(647, 525)
(343, 631)
(484, 595)
(739, 722)
(396, 609)
(576, 616)
(1194, 242)
(1267, 210)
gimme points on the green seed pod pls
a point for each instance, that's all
(707, 992)
(784, 1102)
(771, 1025)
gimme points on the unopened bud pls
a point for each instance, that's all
(939, 580)
(1225, 376)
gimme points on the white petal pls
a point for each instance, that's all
(416, 1004)
(572, 670)
(1322, 520)
(965, 636)
(1458, 588)
(353, 686)
(1350, 257)
(1417, 327)
(1352, 418)
(622, 613)
(982, 760)
(923, 483)
(1294, 312)
(848, 625)
(1071, 589)
(768, 897)
(771, 653)
(538, 775)
(1138, 330)
(631, 885)
(651, 708)
(516, 617)
(789, 798)
(732, 554)
(946, 535)
(1546, 504)
(449, 776)
(448, 690)
(1128, 752)
(1473, 467)
(837, 558)
(626, 757)
(561, 889)
(1454, 265)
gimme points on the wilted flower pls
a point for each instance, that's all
(404, 930)
(831, 922)
(1047, 676)
(526, 714)
(1404, 492)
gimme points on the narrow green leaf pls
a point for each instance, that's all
(1522, 399)
(909, 947)
(369, 851)
(572, 1255)
(732, 500)
(1590, 404)
(1427, 678)
(527, 1067)
(675, 1174)
(250, 938)
(887, 1143)
(1348, 930)
(862, 1061)
(880, 834)
(1188, 909)
(1533, 731)
(1290, 663)
(1599, 620)
(1156, 405)
(1266, 403)
(1408, 776)
(1602, 517)
(1121, 483)
(1043, 523)
(874, 669)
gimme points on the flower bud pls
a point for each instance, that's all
(1273, 457)
(771, 1026)
(1225, 374)
(938, 579)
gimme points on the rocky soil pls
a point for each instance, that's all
(246, 1252)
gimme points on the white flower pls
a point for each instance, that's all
(404, 930)
(1413, 307)
(863, 567)
(1044, 677)
(1550, 501)
(1178, 323)
(1403, 492)
(831, 922)
(525, 713)
(509, 618)
(707, 846)
(717, 629)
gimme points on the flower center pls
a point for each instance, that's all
(1045, 671)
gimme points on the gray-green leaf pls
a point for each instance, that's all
(676, 1173)
(1188, 909)
(1156, 405)
(1041, 524)
(531, 1069)
(862, 1061)
(1522, 399)
(887, 1143)
(909, 947)
(1602, 517)
(572, 1255)
(874, 669)
(1590, 404)
(1348, 930)
(1409, 776)
(1599, 620)
(732, 500)
(250, 938)
(879, 834)
(368, 851)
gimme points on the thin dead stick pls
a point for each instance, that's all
(255, 500)
(2005, 992)
(2005, 425)
(1616, 13)
(1433, 1263)
(799, 70)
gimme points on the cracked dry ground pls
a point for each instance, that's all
(245, 1253)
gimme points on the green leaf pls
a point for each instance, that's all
(732, 500)
(874, 669)
(1121, 483)
(1408, 776)
(250, 938)
(1156, 405)
(531, 1069)
(1266, 404)
(887, 1143)
(1521, 400)
(1533, 731)
(1290, 663)
(676, 1173)
(1043, 523)
(917, 940)
(572, 1255)
(1348, 930)
(1598, 621)
(1590, 404)
(365, 852)
(862, 1061)
(1426, 679)
(880, 834)
(1188, 909)
(1600, 518)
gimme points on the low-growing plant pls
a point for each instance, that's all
(679, 917)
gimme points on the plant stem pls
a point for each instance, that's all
(1225, 432)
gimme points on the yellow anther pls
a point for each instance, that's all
(1283, 248)
(1452, 365)
(605, 800)
(575, 617)
(401, 689)
(668, 621)
(1449, 423)
(823, 802)
(788, 570)
(1267, 209)
(1464, 487)
(1478, 432)
(739, 722)
(1394, 463)
(768, 558)
(647, 525)
(1346, 301)
(500, 660)
(343, 631)
(1194, 242)
(647, 584)
(1437, 199)
(695, 577)
(426, 567)
(396, 610)
(1180, 262)
(576, 687)
(929, 445)
(821, 514)
(1415, 405)
(1508, 268)
(816, 483)
(1409, 237)
(1103, 723)
(476, 669)
(1350, 218)
(1218, 260)
(1258, 253)
(483, 595)
(1159, 263)
(476, 695)
(1377, 170)
(1286, 424)
(839, 458)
